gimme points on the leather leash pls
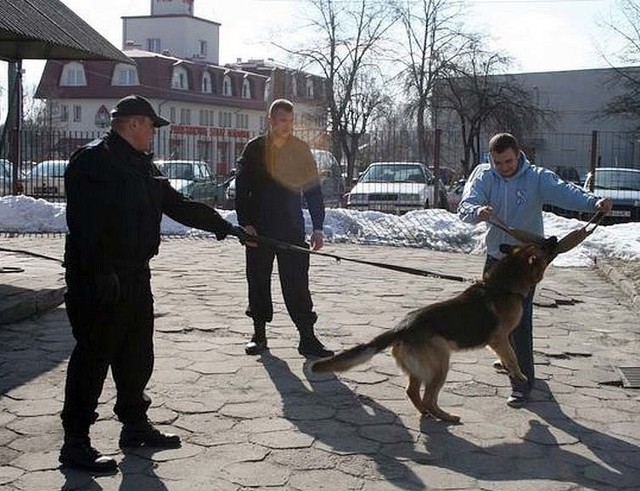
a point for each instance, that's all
(568, 242)
(278, 244)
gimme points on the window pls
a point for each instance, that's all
(154, 45)
(185, 116)
(206, 117)
(226, 86)
(294, 85)
(206, 83)
(310, 88)
(203, 47)
(179, 79)
(64, 113)
(125, 75)
(246, 89)
(242, 120)
(73, 75)
(172, 114)
(77, 113)
(224, 119)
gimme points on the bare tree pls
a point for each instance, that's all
(345, 38)
(626, 28)
(482, 100)
(367, 103)
(433, 41)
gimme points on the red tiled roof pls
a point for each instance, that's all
(154, 74)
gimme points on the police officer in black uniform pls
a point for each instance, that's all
(274, 170)
(115, 200)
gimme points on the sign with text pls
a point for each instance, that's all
(183, 129)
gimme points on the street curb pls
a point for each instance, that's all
(31, 304)
(618, 278)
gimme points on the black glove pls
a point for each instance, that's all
(107, 288)
(242, 234)
(225, 229)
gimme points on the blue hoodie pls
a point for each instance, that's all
(517, 200)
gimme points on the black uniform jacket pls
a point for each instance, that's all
(270, 183)
(115, 200)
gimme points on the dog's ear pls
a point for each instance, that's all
(507, 248)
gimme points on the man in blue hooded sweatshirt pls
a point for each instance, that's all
(513, 191)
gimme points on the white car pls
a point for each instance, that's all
(393, 187)
(620, 184)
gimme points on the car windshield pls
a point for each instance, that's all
(177, 170)
(49, 168)
(617, 179)
(394, 173)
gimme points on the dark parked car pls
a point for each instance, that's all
(6, 176)
(569, 174)
(333, 185)
(193, 179)
(454, 195)
(331, 179)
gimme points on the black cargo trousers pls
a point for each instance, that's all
(293, 271)
(119, 336)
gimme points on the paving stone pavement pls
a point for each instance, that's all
(265, 422)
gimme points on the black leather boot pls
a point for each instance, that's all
(77, 453)
(310, 346)
(144, 434)
(258, 340)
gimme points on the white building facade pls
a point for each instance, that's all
(214, 110)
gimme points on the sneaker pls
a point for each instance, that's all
(77, 453)
(144, 434)
(311, 347)
(256, 345)
(517, 400)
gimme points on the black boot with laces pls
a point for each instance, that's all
(310, 346)
(258, 341)
(144, 434)
(77, 453)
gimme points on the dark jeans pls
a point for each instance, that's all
(119, 336)
(293, 270)
(521, 340)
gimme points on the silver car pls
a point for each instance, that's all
(46, 180)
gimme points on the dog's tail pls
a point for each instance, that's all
(355, 356)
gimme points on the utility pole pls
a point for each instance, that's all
(14, 119)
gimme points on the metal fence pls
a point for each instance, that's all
(570, 155)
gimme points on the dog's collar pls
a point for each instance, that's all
(484, 285)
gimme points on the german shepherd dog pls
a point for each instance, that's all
(482, 315)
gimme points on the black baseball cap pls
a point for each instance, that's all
(135, 105)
